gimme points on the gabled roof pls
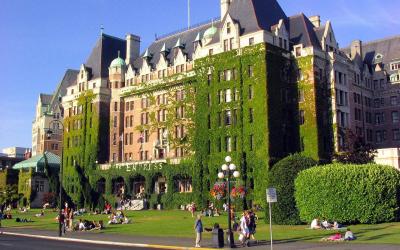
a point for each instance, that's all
(301, 30)
(45, 99)
(255, 15)
(320, 32)
(389, 48)
(39, 162)
(186, 37)
(68, 80)
(105, 50)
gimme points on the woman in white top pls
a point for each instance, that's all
(315, 224)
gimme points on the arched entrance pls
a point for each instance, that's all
(118, 187)
(138, 184)
(159, 184)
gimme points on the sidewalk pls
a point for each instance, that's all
(189, 243)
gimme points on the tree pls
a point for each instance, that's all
(9, 195)
(357, 150)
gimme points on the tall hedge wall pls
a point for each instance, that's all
(282, 178)
(349, 193)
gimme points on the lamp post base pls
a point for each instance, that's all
(230, 239)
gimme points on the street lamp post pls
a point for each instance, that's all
(229, 170)
(49, 134)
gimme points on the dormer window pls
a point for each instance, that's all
(395, 66)
(228, 28)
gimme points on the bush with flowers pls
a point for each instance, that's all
(238, 192)
(218, 191)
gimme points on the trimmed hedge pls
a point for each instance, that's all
(349, 193)
(282, 178)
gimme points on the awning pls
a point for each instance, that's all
(39, 162)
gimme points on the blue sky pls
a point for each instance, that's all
(41, 39)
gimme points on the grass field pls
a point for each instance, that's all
(177, 223)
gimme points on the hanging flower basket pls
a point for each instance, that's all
(218, 191)
(238, 192)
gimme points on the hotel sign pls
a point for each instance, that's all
(140, 166)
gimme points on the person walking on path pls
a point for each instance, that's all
(198, 227)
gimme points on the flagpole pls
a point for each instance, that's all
(188, 14)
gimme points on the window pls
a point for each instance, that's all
(209, 121)
(228, 144)
(251, 41)
(114, 139)
(301, 95)
(393, 100)
(227, 75)
(127, 106)
(219, 144)
(126, 139)
(395, 66)
(251, 142)
(301, 117)
(130, 138)
(250, 70)
(146, 136)
(219, 118)
(251, 115)
(115, 121)
(228, 95)
(298, 51)
(132, 104)
(131, 121)
(379, 118)
(228, 28)
(231, 43)
(251, 92)
(226, 45)
(220, 96)
(395, 117)
(380, 136)
(396, 134)
(228, 117)
(209, 79)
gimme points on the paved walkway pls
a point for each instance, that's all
(187, 242)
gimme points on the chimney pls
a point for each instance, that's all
(224, 7)
(356, 49)
(132, 48)
(315, 20)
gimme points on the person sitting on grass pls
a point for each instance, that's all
(326, 225)
(81, 225)
(41, 214)
(315, 224)
(349, 235)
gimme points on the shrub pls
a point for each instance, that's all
(349, 193)
(282, 178)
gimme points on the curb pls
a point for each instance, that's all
(99, 242)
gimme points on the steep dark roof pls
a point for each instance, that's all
(320, 32)
(301, 31)
(45, 99)
(389, 48)
(68, 80)
(105, 50)
(186, 37)
(254, 15)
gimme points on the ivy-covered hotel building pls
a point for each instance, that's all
(256, 85)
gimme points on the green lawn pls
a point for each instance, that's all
(180, 224)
